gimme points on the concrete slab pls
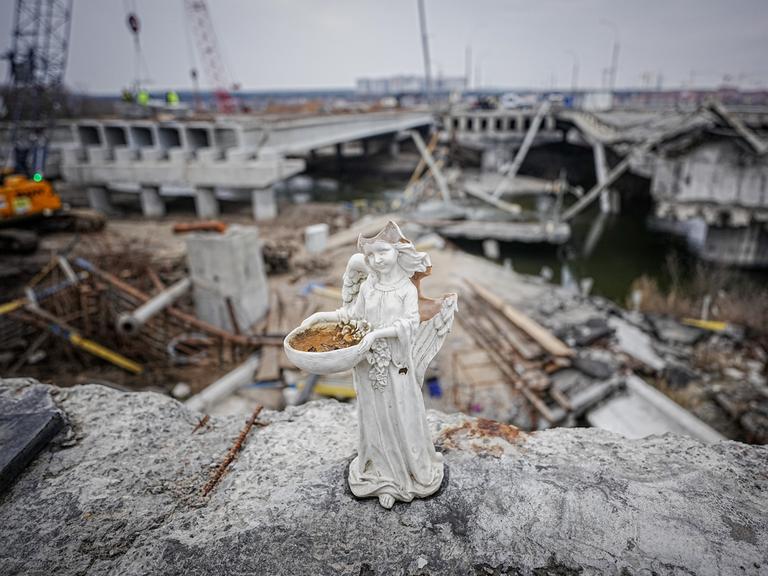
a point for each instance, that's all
(644, 411)
(28, 421)
(636, 343)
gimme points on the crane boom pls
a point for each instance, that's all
(37, 61)
(210, 55)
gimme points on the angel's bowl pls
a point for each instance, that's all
(321, 362)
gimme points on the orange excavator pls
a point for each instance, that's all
(31, 205)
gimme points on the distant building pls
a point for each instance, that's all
(405, 84)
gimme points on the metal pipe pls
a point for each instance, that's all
(130, 323)
(225, 385)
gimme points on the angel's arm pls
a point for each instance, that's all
(356, 310)
(342, 314)
(410, 315)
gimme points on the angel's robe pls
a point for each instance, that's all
(395, 451)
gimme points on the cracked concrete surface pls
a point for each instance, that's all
(118, 492)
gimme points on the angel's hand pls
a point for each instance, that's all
(314, 319)
(366, 343)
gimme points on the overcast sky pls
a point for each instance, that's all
(285, 44)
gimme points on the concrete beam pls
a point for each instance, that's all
(259, 173)
(300, 136)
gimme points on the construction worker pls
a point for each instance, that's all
(142, 98)
(171, 98)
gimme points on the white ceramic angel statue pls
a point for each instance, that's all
(396, 459)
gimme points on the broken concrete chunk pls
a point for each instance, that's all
(598, 364)
(636, 343)
(28, 421)
(679, 375)
(586, 333)
(673, 332)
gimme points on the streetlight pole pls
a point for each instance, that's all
(574, 71)
(615, 52)
(425, 50)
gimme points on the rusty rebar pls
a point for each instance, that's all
(232, 453)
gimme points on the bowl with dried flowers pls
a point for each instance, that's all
(326, 348)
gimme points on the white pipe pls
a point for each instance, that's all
(225, 385)
(130, 323)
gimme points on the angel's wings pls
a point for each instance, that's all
(436, 315)
(432, 331)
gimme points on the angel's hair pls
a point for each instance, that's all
(408, 258)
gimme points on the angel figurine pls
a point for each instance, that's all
(396, 459)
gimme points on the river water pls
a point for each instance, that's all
(630, 246)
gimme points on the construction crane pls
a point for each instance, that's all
(208, 47)
(37, 60)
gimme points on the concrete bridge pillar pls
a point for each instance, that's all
(394, 147)
(98, 198)
(152, 204)
(264, 204)
(521, 123)
(206, 204)
(339, 156)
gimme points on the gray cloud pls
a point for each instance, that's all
(330, 43)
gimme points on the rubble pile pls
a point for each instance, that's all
(719, 376)
(70, 313)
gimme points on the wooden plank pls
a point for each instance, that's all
(528, 350)
(513, 378)
(541, 335)
(290, 309)
(269, 365)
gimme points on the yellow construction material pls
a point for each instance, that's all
(713, 325)
(334, 391)
(105, 353)
(12, 305)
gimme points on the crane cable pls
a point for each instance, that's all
(134, 25)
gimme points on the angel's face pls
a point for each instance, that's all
(382, 257)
